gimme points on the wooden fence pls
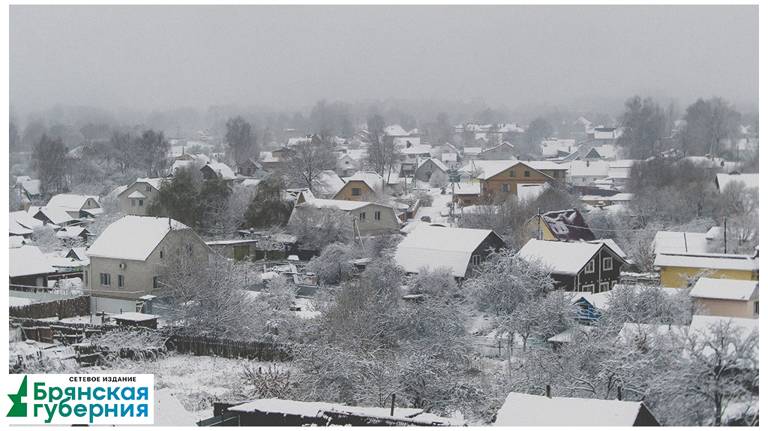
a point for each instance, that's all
(213, 346)
(63, 308)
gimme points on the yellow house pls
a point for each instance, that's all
(362, 186)
(679, 269)
(727, 298)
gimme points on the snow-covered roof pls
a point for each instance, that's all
(449, 157)
(56, 215)
(749, 180)
(437, 163)
(32, 187)
(416, 149)
(267, 157)
(340, 204)
(704, 325)
(70, 232)
(473, 150)
(136, 195)
(24, 219)
(221, 169)
(530, 191)
(133, 316)
(434, 247)
(78, 252)
(568, 335)
(133, 237)
(599, 300)
(486, 169)
(17, 229)
(371, 179)
(28, 260)
(680, 242)
(537, 410)
(328, 183)
(739, 262)
(15, 241)
(70, 202)
(312, 409)
(154, 182)
(546, 165)
(395, 130)
(560, 257)
(722, 288)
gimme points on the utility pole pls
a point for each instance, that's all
(538, 223)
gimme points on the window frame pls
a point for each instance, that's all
(591, 287)
(105, 279)
(610, 266)
(120, 281)
(607, 286)
(377, 215)
(505, 188)
(361, 216)
(590, 267)
(357, 191)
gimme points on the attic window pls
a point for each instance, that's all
(590, 267)
(356, 191)
(607, 264)
(149, 188)
(511, 172)
(527, 173)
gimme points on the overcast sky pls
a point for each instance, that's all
(160, 57)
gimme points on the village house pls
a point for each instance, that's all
(346, 165)
(564, 225)
(76, 206)
(679, 269)
(501, 178)
(362, 186)
(212, 170)
(137, 198)
(503, 151)
(749, 180)
(366, 218)
(466, 193)
(128, 258)
(21, 223)
(544, 410)
(682, 242)
(251, 168)
(577, 266)
(188, 161)
(586, 172)
(459, 250)
(53, 216)
(426, 167)
(727, 298)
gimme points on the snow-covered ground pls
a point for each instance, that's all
(440, 209)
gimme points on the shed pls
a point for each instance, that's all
(135, 319)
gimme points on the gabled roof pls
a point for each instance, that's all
(490, 168)
(70, 202)
(328, 183)
(437, 162)
(220, 169)
(31, 187)
(136, 195)
(567, 225)
(340, 204)
(133, 237)
(537, 410)
(722, 288)
(561, 257)
(71, 232)
(371, 179)
(24, 219)
(56, 215)
(434, 247)
(738, 262)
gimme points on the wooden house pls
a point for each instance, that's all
(500, 178)
(426, 167)
(680, 269)
(577, 266)
(457, 249)
(362, 186)
(727, 298)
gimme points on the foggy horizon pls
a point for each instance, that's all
(288, 57)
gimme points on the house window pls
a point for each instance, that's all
(505, 188)
(476, 259)
(154, 282)
(607, 264)
(189, 249)
(120, 280)
(604, 286)
(527, 173)
(105, 279)
(588, 288)
(590, 267)
(356, 191)
(377, 215)
(511, 172)
(133, 202)
(141, 202)
(757, 307)
(149, 188)
(362, 216)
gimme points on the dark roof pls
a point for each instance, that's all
(568, 225)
